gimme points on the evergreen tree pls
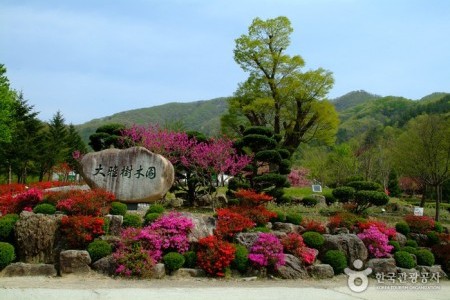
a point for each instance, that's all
(393, 186)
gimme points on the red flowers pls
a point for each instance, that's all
(214, 255)
(91, 203)
(229, 223)
(81, 230)
(420, 224)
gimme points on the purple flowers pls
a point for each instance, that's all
(267, 251)
(376, 242)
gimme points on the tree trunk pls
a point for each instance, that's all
(438, 201)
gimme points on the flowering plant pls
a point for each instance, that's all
(381, 226)
(293, 244)
(214, 255)
(229, 223)
(81, 230)
(267, 252)
(312, 225)
(376, 242)
(420, 224)
(27, 200)
(91, 203)
(252, 198)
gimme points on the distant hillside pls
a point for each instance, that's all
(352, 99)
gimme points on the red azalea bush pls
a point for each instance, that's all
(258, 214)
(214, 255)
(13, 188)
(26, 200)
(344, 220)
(252, 198)
(293, 244)
(229, 223)
(381, 226)
(312, 225)
(420, 224)
(79, 231)
(90, 203)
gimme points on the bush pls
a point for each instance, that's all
(329, 198)
(404, 259)
(365, 185)
(86, 203)
(309, 201)
(396, 246)
(420, 224)
(132, 220)
(368, 198)
(230, 223)
(336, 259)
(411, 243)
(433, 238)
(173, 261)
(156, 208)
(313, 239)
(214, 255)
(294, 218)
(425, 257)
(79, 231)
(7, 223)
(403, 228)
(344, 193)
(259, 214)
(376, 242)
(267, 252)
(438, 227)
(260, 229)
(151, 217)
(240, 261)
(7, 254)
(190, 259)
(409, 249)
(280, 216)
(118, 208)
(99, 249)
(442, 255)
(44, 208)
(27, 200)
(312, 225)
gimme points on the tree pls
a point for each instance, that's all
(106, 136)
(74, 143)
(7, 97)
(277, 94)
(423, 151)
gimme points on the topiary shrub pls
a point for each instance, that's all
(365, 199)
(403, 228)
(409, 249)
(438, 227)
(396, 246)
(309, 201)
(190, 259)
(336, 259)
(240, 261)
(151, 217)
(7, 227)
(44, 208)
(365, 185)
(313, 239)
(344, 193)
(7, 254)
(329, 198)
(99, 249)
(281, 216)
(433, 238)
(118, 208)
(132, 220)
(156, 208)
(411, 243)
(294, 218)
(404, 259)
(173, 261)
(425, 257)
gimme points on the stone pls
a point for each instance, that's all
(321, 271)
(246, 238)
(321, 200)
(435, 269)
(292, 269)
(204, 200)
(350, 244)
(203, 226)
(133, 175)
(115, 224)
(67, 188)
(187, 272)
(285, 227)
(159, 271)
(74, 262)
(421, 239)
(341, 230)
(407, 271)
(105, 265)
(381, 265)
(400, 238)
(35, 237)
(221, 200)
(24, 269)
(176, 202)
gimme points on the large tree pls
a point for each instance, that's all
(277, 93)
(7, 97)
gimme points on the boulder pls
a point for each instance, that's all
(321, 200)
(341, 230)
(133, 175)
(176, 202)
(285, 227)
(350, 244)
(24, 269)
(105, 265)
(115, 224)
(408, 271)
(421, 239)
(400, 238)
(203, 226)
(221, 200)
(74, 261)
(187, 272)
(159, 271)
(321, 271)
(292, 269)
(436, 269)
(35, 237)
(381, 265)
(246, 238)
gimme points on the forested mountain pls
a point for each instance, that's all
(353, 99)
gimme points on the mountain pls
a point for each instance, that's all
(353, 99)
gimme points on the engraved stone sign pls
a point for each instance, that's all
(133, 175)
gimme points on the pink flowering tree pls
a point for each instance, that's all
(299, 177)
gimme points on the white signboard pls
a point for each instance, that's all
(418, 211)
(317, 188)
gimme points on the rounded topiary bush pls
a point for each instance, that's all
(309, 201)
(425, 257)
(336, 259)
(7, 227)
(173, 261)
(438, 227)
(240, 261)
(294, 218)
(99, 249)
(403, 228)
(404, 259)
(150, 218)
(361, 185)
(433, 238)
(190, 259)
(344, 193)
(409, 249)
(7, 254)
(411, 243)
(156, 208)
(132, 220)
(396, 246)
(44, 208)
(313, 239)
(329, 198)
(118, 208)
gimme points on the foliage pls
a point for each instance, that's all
(420, 224)
(336, 259)
(425, 257)
(106, 136)
(395, 245)
(240, 261)
(229, 223)
(309, 201)
(345, 220)
(364, 185)
(79, 231)
(433, 238)
(409, 249)
(404, 259)
(403, 228)
(267, 252)
(7, 254)
(365, 199)
(380, 225)
(438, 227)
(313, 225)
(376, 242)
(26, 200)
(99, 249)
(173, 261)
(279, 216)
(393, 184)
(260, 215)
(313, 239)
(190, 259)
(329, 198)
(7, 223)
(118, 208)
(442, 255)
(150, 218)
(299, 177)
(44, 208)
(252, 198)
(411, 243)
(294, 218)
(88, 203)
(344, 193)
(156, 208)
(214, 255)
(132, 220)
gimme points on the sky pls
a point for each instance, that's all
(90, 59)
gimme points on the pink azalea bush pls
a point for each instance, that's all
(267, 252)
(293, 243)
(376, 242)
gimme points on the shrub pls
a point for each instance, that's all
(336, 259)
(433, 238)
(7, 254)
(309, 201)
(173, 261)
(403, 228)
(214, 255)
(260, 229)
(380, 225)
(411, 243)
(376, 242)
(81, 230)
(7, 223)
(118, 208)
(345, 220)
(26, 200)
(438, 227)
(280, 216)
(344, 193)
(229, 223)
(156, 208)
(132, 220)
(190, 259)
(240, 261)
(409, 249)
(329, 198)
(252, 198)
(404, 259)
(91, 203)
(294, 218)
(267, 252)
(44, 208)
(313, 239)
(99, 249)
(420, 224)
(365, 185)
(151, 217)
(312, 225)
(425, 257)
(442, 255)
(365, 199)
(396, 246)
(260, 215)
(292, 242)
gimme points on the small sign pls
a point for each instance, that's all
(418, 211)
(317, 188)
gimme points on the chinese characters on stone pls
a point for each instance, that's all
(125, 172)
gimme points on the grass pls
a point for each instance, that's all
(301, 192)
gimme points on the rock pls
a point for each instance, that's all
(159, 271)
(421, 239)
(350, 244)
(381, 265)
(74, 261)
(321, 200)
(133, 175)
(400, 238)
(430, 270)
(186, 272)
(341, 230)
(408, 271)
(285, 227)
(35, 237)
(293, 268)
(105, 265)
(321, 271)
(221, 200)
(246, 238)
(115, 224)
(23, 269)
(67, 188)
(176, 202)
(203, 226)
(204, 200)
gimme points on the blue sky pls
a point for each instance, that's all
(91, 59)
